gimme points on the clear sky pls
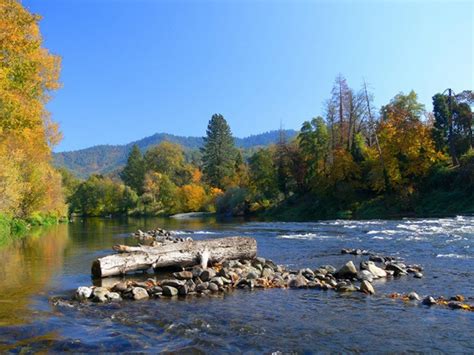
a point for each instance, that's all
(137, 67)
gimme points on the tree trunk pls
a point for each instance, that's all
(186, 253)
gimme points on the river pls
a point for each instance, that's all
(54, 261)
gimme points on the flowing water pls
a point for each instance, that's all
(53, 262)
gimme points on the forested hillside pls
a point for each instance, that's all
(104, 159)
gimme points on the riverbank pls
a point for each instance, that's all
(19, 226)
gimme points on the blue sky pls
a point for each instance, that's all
(137, 67)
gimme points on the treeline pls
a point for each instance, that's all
(354, 160)
(30, 188)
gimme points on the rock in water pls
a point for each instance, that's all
(83, 293)
(375, 270)
(429, 301)
(348, 270)
(367, 287)
(418, 275)
(114, 296)
(365, 275)
(100, 294)
(139, 293)
(298, 282)
(413, 296)
(169, 291)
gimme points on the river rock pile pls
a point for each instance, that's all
(157, 237)
(256, 273)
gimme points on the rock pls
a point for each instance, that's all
(197, 270)
(348, 270)
(170, 291)
(156, 290)
(218, 281)
(267, 272)
(252, 275)
(202, 286)
(114, 296)
(173, 283)
(429, 301)
(397, 268)
(366, 287)
(329, 269)
(455, 305)
(298, 282)
(83, 293)
(375, 270)
(413, 296)
(120, 287)
(183, 275)
(345, 287)
(377, 258)
(259, 260)
(183, 290)
(365, 275)
(100, 294)
(207, 274)
(213, 287)
(418, 275)
(139, 293)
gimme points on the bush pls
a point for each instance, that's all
(233, 202)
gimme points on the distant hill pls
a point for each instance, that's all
(105, 159)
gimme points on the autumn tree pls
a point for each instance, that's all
(28, 74)
(219, 152)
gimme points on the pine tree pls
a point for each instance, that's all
(219, 152)
(133, 174)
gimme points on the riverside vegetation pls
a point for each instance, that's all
(353, 161)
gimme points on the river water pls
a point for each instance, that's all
(53, 262)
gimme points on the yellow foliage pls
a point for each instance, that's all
(28, 72)
(193, 197)
(196, 176)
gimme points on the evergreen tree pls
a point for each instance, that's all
(133, 174)
(219, 152)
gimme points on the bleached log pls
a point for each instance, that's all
(183, 254)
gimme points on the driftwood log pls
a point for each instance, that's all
(185, 253)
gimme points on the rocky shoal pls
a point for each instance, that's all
(264, 273)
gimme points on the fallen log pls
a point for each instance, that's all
(183, 254)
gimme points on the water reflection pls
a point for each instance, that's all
(26, 269)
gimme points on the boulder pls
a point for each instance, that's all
(348, 270)
(83, 293)
(100, 294)
(170, 291)
(207, 274)
(114, 296)
(366, 287)
(139, 293)
(298, 282)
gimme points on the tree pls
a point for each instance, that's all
(133, 175)
(452, 128)
(263, 174)
(28, 74)
(314, 144)
(219, 152)
(168, 158)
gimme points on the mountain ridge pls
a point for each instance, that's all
(107, 158)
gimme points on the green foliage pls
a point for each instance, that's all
(133, 175)
(233, 202)
(219, 152)
(263, 175)
(101, 196)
